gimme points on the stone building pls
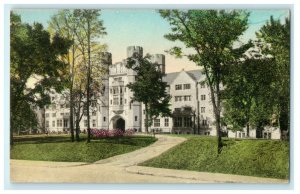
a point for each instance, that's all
(113, 107)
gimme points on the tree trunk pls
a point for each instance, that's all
(248, 130)
(71, 114)
(146, 117)
(88, 84)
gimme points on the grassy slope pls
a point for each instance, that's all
(263, 158)
(59, 148)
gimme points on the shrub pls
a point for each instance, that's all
(102, 133)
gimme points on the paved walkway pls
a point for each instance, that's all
(121, 169)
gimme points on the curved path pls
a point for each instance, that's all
(121, 169)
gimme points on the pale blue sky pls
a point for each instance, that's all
(145, 27)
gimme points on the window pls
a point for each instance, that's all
(204, 122)
(135, 118)
(177, 98)
(203, 97)
(207, 133)
(93, 104)
(47, 124)
(121, 90)
(47, 115)
(187, 98)
(62, 114)
(110, 90)
(156, 122)
(125, 101)
(53, 106)
(59, 123)
(166, 122)
(94, 123)
(115, 101)
(202, 85)
(104, 118)
(66, 123)
(178, 87)
(115, 90)
(110, 101)
(53, 123)
(53, 114)
(61, 106)
(67, 105)
(121, 101)
(94, 113)
(177, 122)
(187, 108)
(177, 109)
(202, 109)
(186, 86)
(144, 112)
(187, 122)
(85, 123)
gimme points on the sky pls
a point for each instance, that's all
(146, 28)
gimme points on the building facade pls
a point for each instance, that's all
(191, 106)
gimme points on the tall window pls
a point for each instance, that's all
(177, 122)
(94, 123)
(186, 86)
(203, 97)
(53, 123)
(66, 123)
(135, 118)
(204, 122)
(156, 122)
(59, 123)
(104, 118)
(85, 123)
(47, 115)
(166, 122)
(202, 109)
(61, 106)
(178, 87)
(53, 106)
(187, 122)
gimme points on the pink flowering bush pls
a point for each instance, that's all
(102, 133)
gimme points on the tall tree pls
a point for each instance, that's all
(33, 56)
(149, 88)
(248, 93)
(211, 34)
(276, 36)
(84, 28)
(89, 31)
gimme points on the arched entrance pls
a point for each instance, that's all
(119, 123)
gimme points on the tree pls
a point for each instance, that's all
(211, 34)
(89, 31)
(248, 93)
(276, 38)
(84, 29)
(149, 88)
(33, 56)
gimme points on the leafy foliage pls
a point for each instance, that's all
(34, 58)
(276, 39)
(149, 88)
(211, 34)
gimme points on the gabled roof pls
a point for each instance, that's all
(194, 74)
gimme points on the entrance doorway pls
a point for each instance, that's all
(119, 124)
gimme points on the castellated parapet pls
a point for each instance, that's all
(160, 60)
(131, 50)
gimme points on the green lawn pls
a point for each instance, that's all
(262, 158)
(60, 148)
